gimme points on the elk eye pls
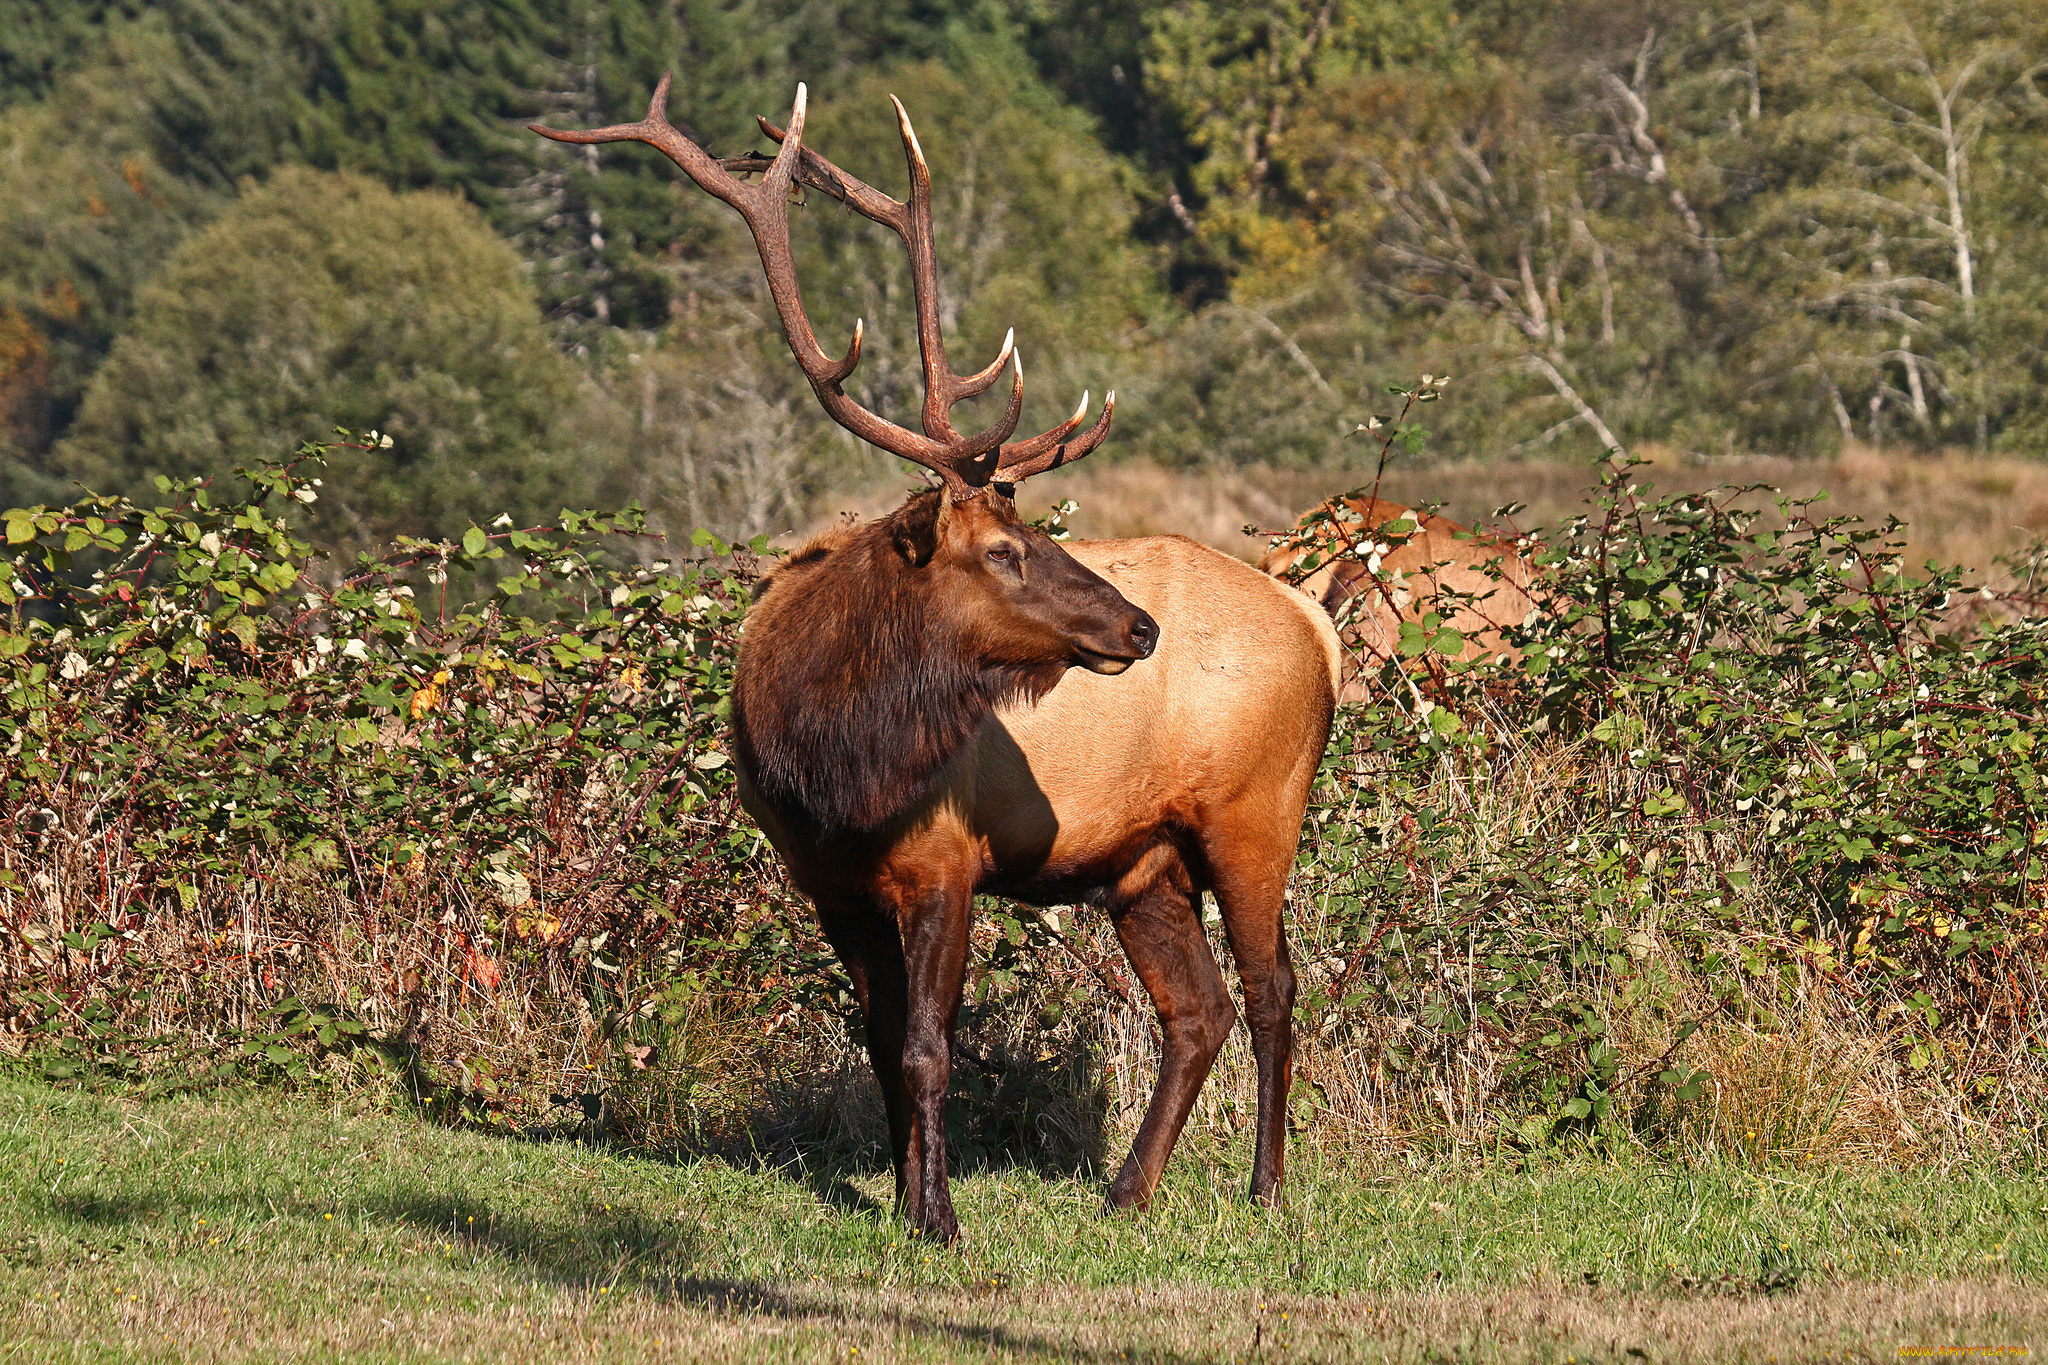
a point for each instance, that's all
(1002, 554)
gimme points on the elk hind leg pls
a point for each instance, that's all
(1161, 932)
(1250, 877)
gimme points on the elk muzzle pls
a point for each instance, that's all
(1121, 642)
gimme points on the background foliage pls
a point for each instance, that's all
(323, 299)
(1732, 228)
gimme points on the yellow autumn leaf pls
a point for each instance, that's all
(535, 926)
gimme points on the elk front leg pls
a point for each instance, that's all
(1162, 936)
(871, 950)
(934, 927)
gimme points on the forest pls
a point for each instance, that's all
(227, 226)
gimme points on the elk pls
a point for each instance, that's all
(946, 701)
(1391, 576)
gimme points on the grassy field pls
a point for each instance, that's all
(261, 1226)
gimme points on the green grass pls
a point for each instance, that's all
(258, 1225)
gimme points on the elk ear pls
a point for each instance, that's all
(919, 528)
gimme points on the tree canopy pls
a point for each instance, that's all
(324, 299)
(1769, 226)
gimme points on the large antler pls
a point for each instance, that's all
(965, 463)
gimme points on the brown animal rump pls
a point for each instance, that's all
(929, 706)
(1387, 577)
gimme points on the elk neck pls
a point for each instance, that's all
(858, 679)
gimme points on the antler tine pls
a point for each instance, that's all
(987, 446)
(911, 221)
(656, 131)
(1024, 458)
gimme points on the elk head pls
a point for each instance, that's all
(1028, 599)
(1021, 600)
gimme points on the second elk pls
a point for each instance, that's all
(946, 701)
(1380, 566)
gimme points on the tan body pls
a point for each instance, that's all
(1051, 796)
(1414, 569)
(1134, 793)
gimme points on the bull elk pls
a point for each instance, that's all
(1374, 577)
(946, 701)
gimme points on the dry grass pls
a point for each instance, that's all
(718, 1321)
(1959, 508)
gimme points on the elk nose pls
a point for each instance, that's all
(1145, 634)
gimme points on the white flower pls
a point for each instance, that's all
(210, 543)
(305, 495)
(621, 595)
(322, 645)
(74, 666)
(355, 649)
(503, 519)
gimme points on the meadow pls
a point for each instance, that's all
(323, 1225)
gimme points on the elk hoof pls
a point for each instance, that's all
(944, 1229)
(1127, 1194)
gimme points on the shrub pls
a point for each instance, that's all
(1742, 769)
(1737, 851)
(245, 806)
(318, 299)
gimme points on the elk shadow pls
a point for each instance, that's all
(634, 1253)
(1024, 1096)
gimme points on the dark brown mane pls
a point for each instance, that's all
(856, 684)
